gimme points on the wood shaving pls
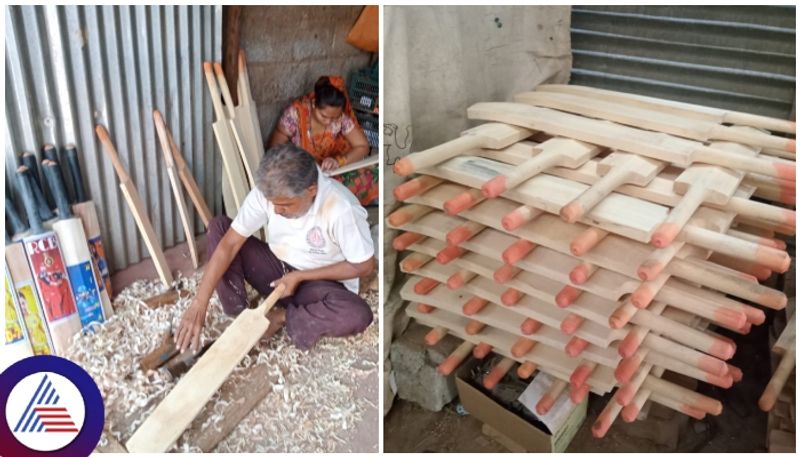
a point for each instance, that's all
(313, 404)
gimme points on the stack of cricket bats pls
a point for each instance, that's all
(601, 237)
(57, 278)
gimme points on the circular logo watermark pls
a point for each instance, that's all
(52, 407)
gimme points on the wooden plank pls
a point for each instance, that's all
(246, 110)
(186, 222)
(656, 145)
(230, 156)
(688, 110)
(189, 183)
(192, 392)
(652, 119)
(137, 207)
(241, 129)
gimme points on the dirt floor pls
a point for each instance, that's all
(741, 427)
(322, 400)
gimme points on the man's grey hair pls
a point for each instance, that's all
(286, 170)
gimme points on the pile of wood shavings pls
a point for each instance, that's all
(312, 405)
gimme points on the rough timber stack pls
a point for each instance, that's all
(599, 237)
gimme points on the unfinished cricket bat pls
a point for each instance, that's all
(231, 160)
(241, 129)
(161, 129)
(137, 208)
(189, 183)
(75, 250)
(174, 414)
(86, 210)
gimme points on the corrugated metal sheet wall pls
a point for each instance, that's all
(69, 68)
(734, 57)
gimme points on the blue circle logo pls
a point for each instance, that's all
(52, 407)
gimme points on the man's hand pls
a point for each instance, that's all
(191, 326)
(329, 164)
(290, 281)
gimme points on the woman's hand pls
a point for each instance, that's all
(290, 280)
(329, 164)
(191, 326)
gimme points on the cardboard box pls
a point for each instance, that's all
(533, 437)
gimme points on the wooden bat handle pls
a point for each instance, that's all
(528, 169)
(244, 77)
(684, 395)
(685, 369)
(583, 203)
(666, 233)
(727, 281)
(753, 137)
(49, 152)
(75, 172)
(223, 85)
(161, 130)
(29, 160)
(693, 357)
(678, 406)
(763, 122)
(684, 334)
(408, 213)
(549, 398)
(714, 156)
(112, 154)
(772, 258)
(50, 169)
(657, 261)
(703, 306)
(757, 210)
(271, 299)
(455, 358)
(213, 89)
(437, 154)
(778, 380)
(628, 391)
(24, 181)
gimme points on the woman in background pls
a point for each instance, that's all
(323, 123)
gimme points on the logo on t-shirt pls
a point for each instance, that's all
(314, 238)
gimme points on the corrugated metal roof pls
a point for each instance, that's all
(70, 67)
(734, 57)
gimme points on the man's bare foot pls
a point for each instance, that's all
(277, 317)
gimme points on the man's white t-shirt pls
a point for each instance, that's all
(334, 229)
